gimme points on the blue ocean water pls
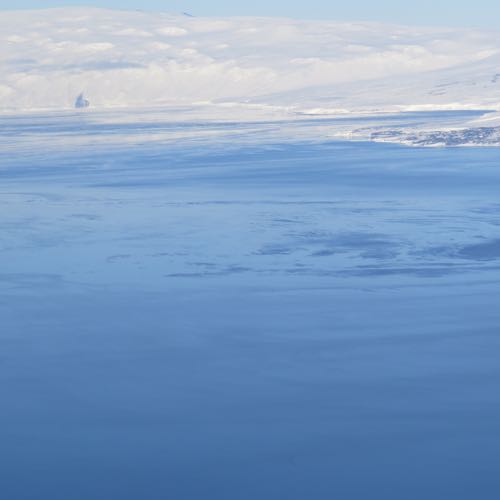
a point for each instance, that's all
(231, 312)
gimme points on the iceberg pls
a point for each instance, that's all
(81, 102)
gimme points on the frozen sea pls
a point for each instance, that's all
(203, 310)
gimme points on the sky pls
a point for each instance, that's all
(480, 13)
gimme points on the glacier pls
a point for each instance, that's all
(249, 68)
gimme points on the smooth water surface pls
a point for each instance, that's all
(221, 313)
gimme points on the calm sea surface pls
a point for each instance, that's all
(206, 311)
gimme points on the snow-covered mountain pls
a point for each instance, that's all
(254, 69)
(50, 58)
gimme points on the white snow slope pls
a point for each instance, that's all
(135, 59)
